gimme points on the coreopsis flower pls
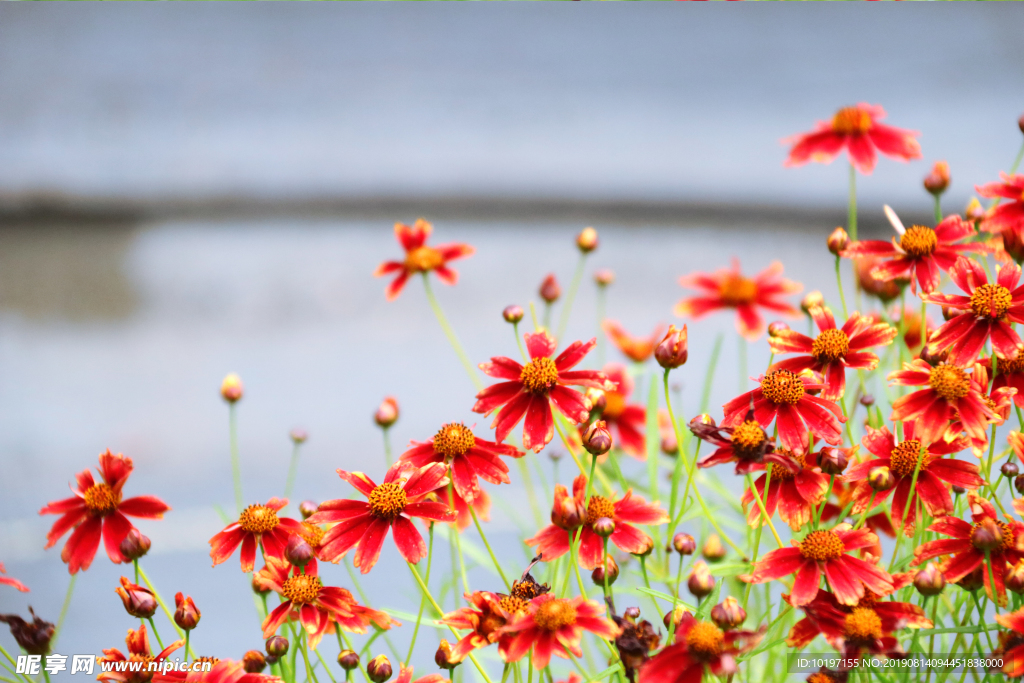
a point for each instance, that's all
(138, 651)
(405, 676)
(728, 288)
(937, 181)
(467, 455)
(532, 389)
(699, 647)
(935, 473)
(858, 131)
(258, 525)
(487, 614)
(949, 393)
(316, 606)
(746, 444)
(785, 397)
(795, 489)
(139, 601)
(627, 421)
(999, 400)
(834, 349)
(920, 255)
(553, 541)
(878, 523)
(419, 258)
(989, 312)
(97, 509)
(32, 636)
(1009, 374)
(637, 349)
(1011, 643)
(391, 506)
(1009, 215)
(970, 544)
(221, 671)
(553, 626)
(9, 581)
(826, 551)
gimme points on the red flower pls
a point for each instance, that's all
(531, 390)
(727, 288)
(628, 422)
(998, 400)
(934, 476)
(392, 505)
(968, 542)
(878, 523)
(221, 671)
(950, 393)
(8, 581)
(1008, 217)
(420, 258)
(304, 596)
(138, 651)
(489, 612)
(553, 541)
(637, 349)
(405, 676)
(796, 487)
(825, 551)
(1009, 374)
(699, 646)
(856, 129)
(784, 396)
(258, 525)
(745, 444)
(920, 255)
(97, 509)
(469, 457)
(833, 350)
(1011, 644)
(989, 312)
(553, 626)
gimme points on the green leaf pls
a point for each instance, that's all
(730, 568)
(706, 603)
(664, 596)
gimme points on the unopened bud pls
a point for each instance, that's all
(811, 300)
(974, 580)
(1015, 577)
(567, 514)
(549, 289)
(277, 646)
(673, 350)
(728, 613)
(555, 456)
(134, 545)
(379, 669)
(933, 359)
(646, 546)
(387, 412)
(604, 277)
(676, 615)
(937, 181)
(259, 587)
(254, 662)
(700, 583)
(138, 601)
(838, 241)
(776, 328)
(832, 460)
(713, 550)
(702, 421)
(348, 660)
(881, 478)
(512, 314)
(307, 508)
(958, 490)
(1020, 123)
(587, 240)
(443, 656)
(986, 535)
(604, 527)
(1018, 484)
(298, 435)
(186, 614)
(929, 581)
(231, 389)
(974, 211)
(684, 544)
(597, 439)
(867, 400)
(632, 613)
(298, 552)
(1009, 469)
(669, 444)
(608, 569)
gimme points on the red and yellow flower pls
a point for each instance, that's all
(1008, 217)
(221, 671)
(797, 486)
(999, 400)
(1011, 643)
(405, 676)
(746, 444)
(627, 421)
(419, 258)
(1009, 374)
(637, 349)
(257, 526)
(484, 619)
(138, 651)
(950, 393)
(553, 626)
(699, 646)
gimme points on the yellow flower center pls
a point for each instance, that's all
(1009, 538)
(949, 382)
(540, 374)
(903, 459)
(736, 289)
(101, 499)
(705, 640)
(747, 439)
(781, 472)
(599, 507)
(822, 546)
(820, 677)
(512, 604)
(614, 404)
(919, 241)
(830, 345)
(387, 500)
(422, 259)
(257, 519)
(851, 120)
(312, 534)
(453, 440)
(302, 589)
(554, 614)
(782, 386)
(863, 625)
(991, 301)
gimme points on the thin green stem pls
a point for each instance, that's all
(450, 333)
(851, 215)
(577, 277)
(455, 535)
(293, 466)
(387, 445)
(864, 516)
(236, 461)
(483, 537)
(423, 599)
(305, 656)
(326, 668)
(906, 507)
(839, 283)
(938, 210)
(601, 341)
(519, 342)
(156, 634)
(64, 610)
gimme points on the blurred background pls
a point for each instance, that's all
(188, 190)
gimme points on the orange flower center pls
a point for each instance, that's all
(919, 241)
(863, 625)
(851, 120)
(747, 439)
(705, 640)
(540, 374)
(614, 404)
(781, 472)
(453, 440)
(782, 386)
(388, 500)
(554, 614)
(312, 534)
(102, 499)
(512, 604)
(822, 546)
(830, 345)
(903, 459)
(302, 589)
(422, 259)
(1008, 539)
(257, 519)
(821, 677)
(949, 382)
(736, 289)
(991, 301)
(599, 507)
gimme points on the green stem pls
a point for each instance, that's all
(577, 277)
(455, 534)
(483, 537)
(387, 446)
(64, 610)
(156, 634)
(604, 566)
(601, 341)
(423, 599)
(188, 635)
(839, 283)
(326, 668)
(236, 462)
(938, 210)
(519, 342)
(292, 468)
(851, 221)
(864, 516)
(450, 333)
(1013, 169)
(912, 496)
(305, 655)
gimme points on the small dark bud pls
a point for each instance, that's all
(604, 527)
(550, 290)
(254, 662)
(307, 508)
(881, 478)
(937, 181)
(298, 552)
(387, 413)
(277, 646)
(673, 350)
(138, 600)
(512, 314)
(348, 660)
(929, 581)
(713, 550)
(832, 460)
(443, 656)
(587, 240)
(597, 439)
(379, 669)
(700, 583)
(1009, 469)
(776, 328)
(632, 613)
(838, 241)
(684, 544)
(867, 400)
(987, 535)
(33, 636)
(186, 614)
(646, 548)
(1018, 484)
(959, 490)
(811, 300)
(610, 568)
(675, 615)
(135, 545)
(728, 613)
(1015, 577)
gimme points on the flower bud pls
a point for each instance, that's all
(604, 277)
(1018, 484)
(33, 636)
(387, 413)
(379, 669)
(838, 241)
(1020, 123)
(728, 613)
(555, 456)
(512, 314)
(1009, 469)
(604, 527)
(277, 646)
(700, 583)
(231, 389)
(134, 545)
(701, 422)
(138, 601)
(684, 544)
(186, 614)
(610, 568)
(881, 478)
(298, 435)
(597, 439)
(986, 535)
(646, 546)
(443, 656)
(713, 550)
(632, 613)
(259, 587)
(669, 444)
(307, 508)
(813, 299)
(675, 615)
(1015, 577)
(973, 581)
(254, 662)
(348, 660)
(958, 490)
(587, 240)
(974, 211)
(933, 359)
(776, 328)
(937, 181)
(567, 514)
(298, 552)
(549, 289)
(598, 400)
(867, 400)
(832, 460)
(929, 581)
(884, 290)
(673, 349)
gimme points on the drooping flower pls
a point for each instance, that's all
(826, 551)
(391, 506)
(797, 486)
(97, 510)
(785, 397)
(257, 526)
(637, 349)
(746, 444)
(32, 636)
(10, 581)
(138, 651)
(858, 131)
(1008, 217)
(553, 541)
(419, 258)
(728, 288)
(553, 626)
(468, 455)
(1011, 643)
(627, 421)
(699, 646)
(635, 643)
(532, 389)
(950, 392)
(834, 349)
